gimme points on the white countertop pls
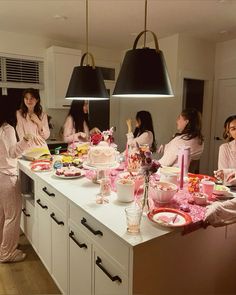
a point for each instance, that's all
(82, 192)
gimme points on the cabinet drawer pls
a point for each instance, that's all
(57, 199)
(107, 273)
(102, 236)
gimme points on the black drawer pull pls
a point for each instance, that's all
(57, 221)
(24, 212)
(95, 232)
(41, 205)
(71, 235)
(113, 278)
(47, 192)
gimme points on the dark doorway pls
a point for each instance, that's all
(193, 94)
(99, 114)
(11, 102)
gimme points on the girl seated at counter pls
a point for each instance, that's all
(31, 119)
(227, 151)
(144, 132)
(76, 126)
(189, 134)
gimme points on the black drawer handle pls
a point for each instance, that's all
(41, 205)
(71, 235)
(24, 212)
(113, 278)
(57, 221)
(47, 192)
(95, 232)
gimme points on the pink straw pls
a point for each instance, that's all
(181, 181)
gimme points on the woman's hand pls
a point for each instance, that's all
(231, 179)
(34, 118)
(38, 140)
(81, 135)
(129, 125)
(94, 130)
(219, 174)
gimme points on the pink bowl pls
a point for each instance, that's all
(162, 192)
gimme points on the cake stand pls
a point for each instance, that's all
(102, 179)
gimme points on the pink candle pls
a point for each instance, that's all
(126, 155)
(181, 181)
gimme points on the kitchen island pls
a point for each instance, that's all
(87, 250)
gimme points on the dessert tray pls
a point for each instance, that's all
(69, 175)
(169, 217)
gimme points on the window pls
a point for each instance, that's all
(20, 73)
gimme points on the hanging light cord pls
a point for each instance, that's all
(87, 30)
(145, 23)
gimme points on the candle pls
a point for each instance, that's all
(181, 181)
(126, 155)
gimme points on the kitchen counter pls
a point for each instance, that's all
(157, 261)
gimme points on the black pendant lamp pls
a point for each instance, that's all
(143, 72)
(86, 82)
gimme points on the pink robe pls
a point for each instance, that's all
(10, 199)
(144, 138)
(26, 126)
(170, 156)
(69, 133)
(227, 155)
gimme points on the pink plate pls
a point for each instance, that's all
(169, 217)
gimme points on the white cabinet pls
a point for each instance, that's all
(80, 262)
(44, 231)
(108, 277)
(29, 222)
(60, 62)
(98, 260)
(59, 248)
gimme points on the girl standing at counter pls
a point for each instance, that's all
(189, 134)
(30, 118)
(76, 126)
(10, 199)
(144, 131)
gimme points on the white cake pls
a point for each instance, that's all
(101, 154)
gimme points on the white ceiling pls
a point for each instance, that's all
(115, 23)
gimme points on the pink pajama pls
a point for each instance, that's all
(10, 212)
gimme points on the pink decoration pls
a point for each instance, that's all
(126, 155)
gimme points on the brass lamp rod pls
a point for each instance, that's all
(87, 31)
(145, 23)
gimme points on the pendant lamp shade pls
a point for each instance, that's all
(86, 83)
(143, 73)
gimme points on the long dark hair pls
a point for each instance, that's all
(37, 108)
(194, 127)
(146, 124)
(77, 113)
(226, 133)
(7, 115)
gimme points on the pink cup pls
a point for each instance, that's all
(207, 187)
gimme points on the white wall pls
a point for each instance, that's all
(196, 59)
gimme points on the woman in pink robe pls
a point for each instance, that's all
(10, 199)
(189, 134)
(30, 118)
(227, 151)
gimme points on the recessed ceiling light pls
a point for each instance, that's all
(223, 32)
(58, 16)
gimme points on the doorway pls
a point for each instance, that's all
(11, 102)
(193, 93)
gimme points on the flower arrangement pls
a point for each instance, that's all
(107, 136)
(148, 167)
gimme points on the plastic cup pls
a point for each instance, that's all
(207, 187)
(133, 219)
